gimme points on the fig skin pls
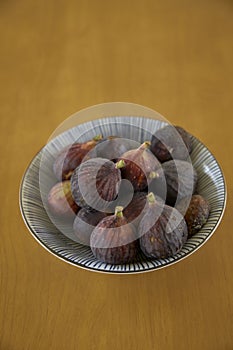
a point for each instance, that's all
(196, 214)
(140, 166)
(113, 241)
(85, 222)
(60, 200)
(71, 157)
(165, 236)
(166, 143)
(187, 180)
(134, 210)
(99, 179)
(110, 148)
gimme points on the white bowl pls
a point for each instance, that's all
(211, 185)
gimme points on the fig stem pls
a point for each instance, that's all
(170, 149)
(97, 138)
(153, 175)
(120, 164)
(151, 198)
(145, 145)
(118, 212)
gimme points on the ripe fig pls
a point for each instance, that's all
(134, 210)
(171, 142)
(111, 148)
(71, 156)
(164, 236)
(60, 200)
(140, 166)
(95, 183)
(196, 214)
(181, 180)
(187, 138)
(84, 224)
(113, 240)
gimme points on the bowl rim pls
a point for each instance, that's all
(118, 272)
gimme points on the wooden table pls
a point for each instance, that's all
(58, 57)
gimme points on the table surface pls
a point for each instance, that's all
(58, 57)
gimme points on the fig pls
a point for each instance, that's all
(111, 148)
(187, 138)
(196, 214)
(134, 210)
(159, 187)
(84, 224)
(171, 142)
(140, 166)
(71, 156)
(162, 236)
(181, 180)
(113, 240)
(95, 183)
(60, 200)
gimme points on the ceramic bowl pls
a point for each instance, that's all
(211, 185)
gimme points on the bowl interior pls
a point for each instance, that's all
(39, 178)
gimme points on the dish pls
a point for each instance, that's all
(211, 185)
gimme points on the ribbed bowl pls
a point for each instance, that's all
(211, 185)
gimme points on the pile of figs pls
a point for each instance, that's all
(126, 202)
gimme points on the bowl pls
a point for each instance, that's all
(211, 185)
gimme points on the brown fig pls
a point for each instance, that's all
(71, 157)
(140, 166)
(163, 235)
(95, 183)
(84, 224)
(171, 142)
(181, 180)
(196, 214)
(113, 240)
(60, 200)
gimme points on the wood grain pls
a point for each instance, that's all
(58, 57)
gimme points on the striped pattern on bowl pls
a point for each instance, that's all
(211, 185)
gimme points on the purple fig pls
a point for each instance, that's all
(162, 236)
(171, 142)
(140, 166)
(111, 148)
(181, 180)
(84, 224)
(134, 210)
(95, 183)
(196, 214)
(113, 240)
(60, 200)
(71, 157)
